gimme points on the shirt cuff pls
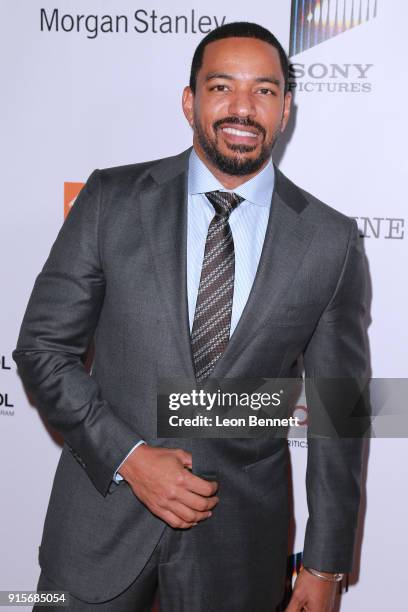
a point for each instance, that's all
(117, 477)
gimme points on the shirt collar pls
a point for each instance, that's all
(257, 190)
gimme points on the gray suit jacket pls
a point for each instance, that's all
(117, 272)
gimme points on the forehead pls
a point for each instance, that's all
(241, 56)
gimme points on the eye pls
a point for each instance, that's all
(219, 88)
(266, 91)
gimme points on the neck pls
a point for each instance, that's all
(229, 181)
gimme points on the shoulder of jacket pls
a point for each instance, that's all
(324, 213)
(307, 204)
(129, 173)
(143, 174)
(331, 224)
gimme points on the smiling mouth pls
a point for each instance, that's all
(239, 132)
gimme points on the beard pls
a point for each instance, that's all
(236, 164)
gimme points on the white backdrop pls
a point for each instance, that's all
(76, 100)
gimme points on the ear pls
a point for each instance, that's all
(287, 104)
(188, 105)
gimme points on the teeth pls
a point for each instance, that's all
(238, 132)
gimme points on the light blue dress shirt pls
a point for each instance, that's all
(248, 226)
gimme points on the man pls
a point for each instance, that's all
(208, 264)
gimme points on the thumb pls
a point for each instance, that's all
(294, 606)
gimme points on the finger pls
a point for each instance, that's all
(197, 502)
(198, 485)
(187, 514)
(173, 520)
(294, 606)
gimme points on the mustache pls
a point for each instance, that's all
(242, 122)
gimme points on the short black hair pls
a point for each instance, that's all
(239, 29)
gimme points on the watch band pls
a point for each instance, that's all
(335, 577)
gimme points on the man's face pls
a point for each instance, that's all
(239, 107)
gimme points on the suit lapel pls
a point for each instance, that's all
(164, 217)
(287, 238)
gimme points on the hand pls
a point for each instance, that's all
(310, 594)
(160, 479)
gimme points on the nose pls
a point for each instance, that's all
(242, 104)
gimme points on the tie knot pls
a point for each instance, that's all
(224, 202)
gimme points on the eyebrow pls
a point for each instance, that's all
(223, 75)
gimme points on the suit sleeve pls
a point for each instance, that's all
(338, 349)
(58, 326)
(117, 477)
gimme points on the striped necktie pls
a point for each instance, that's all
(212, 318)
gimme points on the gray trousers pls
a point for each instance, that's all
(171, 571)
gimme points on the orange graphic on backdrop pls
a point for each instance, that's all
(71, 191)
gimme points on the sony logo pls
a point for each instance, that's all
(319, 70)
